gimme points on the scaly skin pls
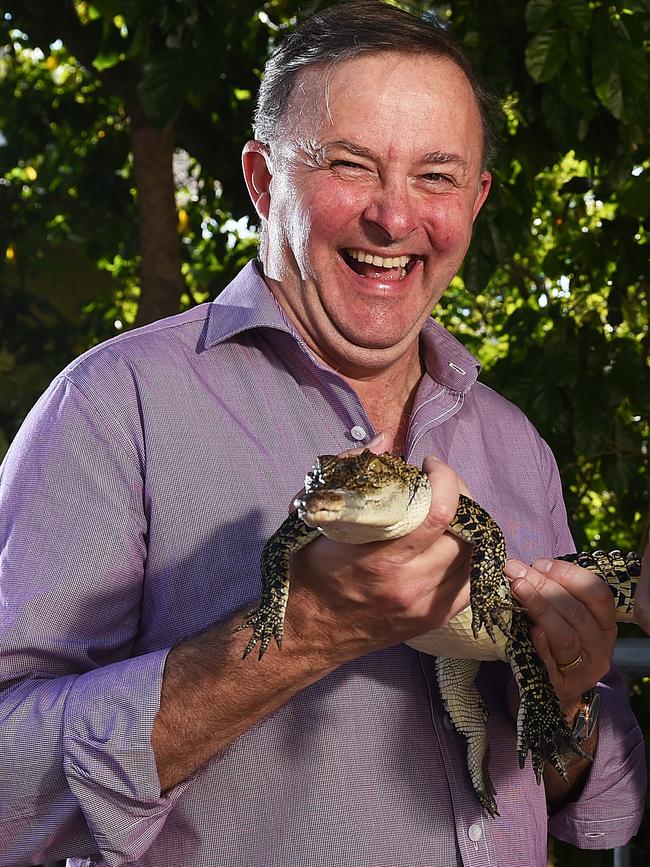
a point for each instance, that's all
(365, 497)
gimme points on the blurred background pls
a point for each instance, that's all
(121, 201)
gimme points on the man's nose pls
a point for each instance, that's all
(392, 210)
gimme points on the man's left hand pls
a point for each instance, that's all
(574, 624)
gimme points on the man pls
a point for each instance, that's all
(143, 485)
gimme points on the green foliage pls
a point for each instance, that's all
(553, 296)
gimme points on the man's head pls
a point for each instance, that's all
(348, 30)
(367, 173)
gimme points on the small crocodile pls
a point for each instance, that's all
(367, 497)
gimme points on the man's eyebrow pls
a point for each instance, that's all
(433, 157)
(357, 150)
(443, 158)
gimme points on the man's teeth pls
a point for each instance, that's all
(380, 261)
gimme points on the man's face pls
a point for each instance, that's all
(370, 193)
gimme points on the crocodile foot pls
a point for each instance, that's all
(490, 615)
(486, 793)
(542, 729)
(468, 713)
(548, 739)
(491, 599)
(266, 625)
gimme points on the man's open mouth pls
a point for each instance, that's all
(368, 264)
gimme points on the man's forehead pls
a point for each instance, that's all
(314, 81)
(338, 105)
(387, 78)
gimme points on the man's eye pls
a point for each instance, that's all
(346, 164)
(438, 179)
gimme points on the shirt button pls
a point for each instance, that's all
(358, 433)
(474, 832)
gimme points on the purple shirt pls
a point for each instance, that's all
(135, 501)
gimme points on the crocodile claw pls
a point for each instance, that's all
(265, 627)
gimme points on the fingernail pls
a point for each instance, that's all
(376, 440)
(514, 569)
(543, 565)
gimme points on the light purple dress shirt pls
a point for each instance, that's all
(134, 504)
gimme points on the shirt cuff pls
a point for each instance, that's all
(610, 808)
(108, 758)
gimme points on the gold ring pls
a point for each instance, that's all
(569, 665)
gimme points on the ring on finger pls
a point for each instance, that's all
(567, 666)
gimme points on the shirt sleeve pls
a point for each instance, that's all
(552, 485)
(609, 810)
(77, 702)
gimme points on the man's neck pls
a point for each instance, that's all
(387, 398)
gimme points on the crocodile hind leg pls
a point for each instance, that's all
(267, 621)
(541, 726)
(468, 712)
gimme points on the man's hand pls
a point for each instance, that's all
(345, 601)
(574, 633)
(575, 625)
(359, 598)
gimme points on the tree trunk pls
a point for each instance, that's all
(161, 281)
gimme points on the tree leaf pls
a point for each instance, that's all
(163, 85)
(576, 14)
(541, 14)
(620, 67)
(545, 55)
(107, 59)
(634, 196)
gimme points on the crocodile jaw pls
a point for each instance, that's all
(347, 516)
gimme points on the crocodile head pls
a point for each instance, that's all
(356, 498)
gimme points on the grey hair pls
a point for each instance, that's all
(347, 30)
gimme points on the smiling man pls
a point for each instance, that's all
(368, 194)
(141, 489)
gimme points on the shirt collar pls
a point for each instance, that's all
(244, 304)
(446, 360)
(248, 303)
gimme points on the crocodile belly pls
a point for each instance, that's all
(456, 640)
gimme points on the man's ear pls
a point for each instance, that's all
(257, 174)
(485, 182)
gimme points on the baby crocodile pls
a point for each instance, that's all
(367, 497)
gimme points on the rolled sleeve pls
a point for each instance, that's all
(610, 808)
(108, 759)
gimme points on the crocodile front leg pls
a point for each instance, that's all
(468, 712)
(541, 726)
(267, 621)
(490, 594)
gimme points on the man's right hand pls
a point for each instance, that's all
(345, 601)
(353, 599)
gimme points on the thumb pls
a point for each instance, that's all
(445, 488)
